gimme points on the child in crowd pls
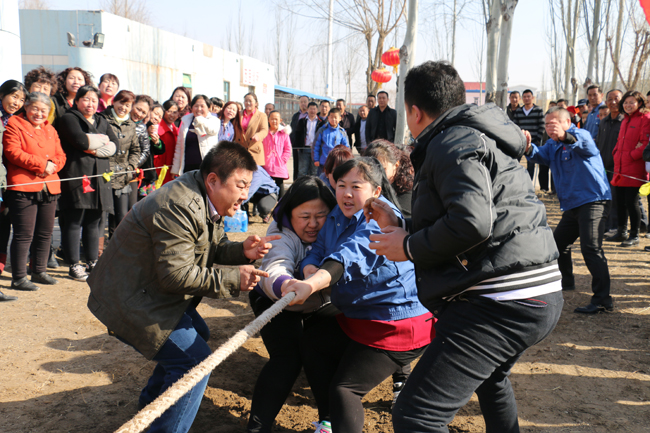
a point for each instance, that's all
(603, 111)
(277, 151)
(331, 135)
(337, 156)
(383, 324)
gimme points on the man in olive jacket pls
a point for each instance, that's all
(159, 264)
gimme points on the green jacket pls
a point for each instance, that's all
(159, 262)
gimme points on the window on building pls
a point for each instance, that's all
(476, 101)
(187, 81)
(251, 89)
(226, 91)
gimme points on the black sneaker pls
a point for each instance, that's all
(23, 284)
(78, 272)
(43, 278)
(618, 237)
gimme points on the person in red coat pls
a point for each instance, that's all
(629, 167)
(168, 133)
(34, 156)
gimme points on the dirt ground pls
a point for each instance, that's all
(61, 372)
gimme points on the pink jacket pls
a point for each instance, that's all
(277, 151)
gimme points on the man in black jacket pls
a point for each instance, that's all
(485, 258)
(347, 120)
(381, 120)
(303, 101)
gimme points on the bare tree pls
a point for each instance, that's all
(569, 15)
(508, 13)
(277, 47)
(616, 52)
(373, 19)
(593, 37)
(407, 61)
(289, 50)
(556, 54)
(493, 20)
(136, 10)
(640, 50)
(34, 4)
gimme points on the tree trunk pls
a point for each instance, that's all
(617, 47)
(593, 45)
(453, 36)
(508, 12)
(407, 60)
(493, 27)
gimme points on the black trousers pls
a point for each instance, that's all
(5, 229)
(265, 203)
(478, 340)
(350, 370)
(121, 207)
(543, 176)
(283, 337)
(587, 222)
(629, 204)
(74, 220)
(32, 220)
(280, 183)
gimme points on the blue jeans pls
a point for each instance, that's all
(305, 164)
(478, 340)
(185, 348)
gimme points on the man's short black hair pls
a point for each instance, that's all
(514, 92)
(334, 111)
(325, 101)
(384, 92)
(595, 86)
(619, 91)
(603, 108)
(559, 101)
(226, 157)
(647, 94)
(303, 96)
(528, 91)
(562, 113)
(373, 96)
(312, 104)
(434, 87)
(340, 100)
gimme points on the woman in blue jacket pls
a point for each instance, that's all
(383, 325)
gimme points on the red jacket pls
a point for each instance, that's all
(26, 153)
(168, 135)
(628, 159)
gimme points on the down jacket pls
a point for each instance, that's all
(628, 158)
(27, 151)
(475, 212)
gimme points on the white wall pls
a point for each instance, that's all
(10, 63)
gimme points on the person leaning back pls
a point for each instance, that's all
(159, 264)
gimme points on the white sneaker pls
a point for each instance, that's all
(323, 427)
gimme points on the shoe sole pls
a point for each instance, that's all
(78, 278)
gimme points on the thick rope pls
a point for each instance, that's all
(154, 410)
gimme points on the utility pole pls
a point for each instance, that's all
(328, 85)
(407, 60)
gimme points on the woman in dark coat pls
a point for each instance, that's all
(69, 81)
(88, 141)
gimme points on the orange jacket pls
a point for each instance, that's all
(26, 153)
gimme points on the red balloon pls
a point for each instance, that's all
(645, 4)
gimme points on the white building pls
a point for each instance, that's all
(9, 42)
(147, 60)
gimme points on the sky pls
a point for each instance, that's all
(208, 21)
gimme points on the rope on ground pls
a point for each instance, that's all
(154, 410)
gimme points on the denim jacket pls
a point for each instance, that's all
(372, 287)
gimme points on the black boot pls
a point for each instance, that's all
(620, 236)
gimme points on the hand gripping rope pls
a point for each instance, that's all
(154, 410)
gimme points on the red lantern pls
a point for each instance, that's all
(391, 58)
(645, 4)
(380, 76)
